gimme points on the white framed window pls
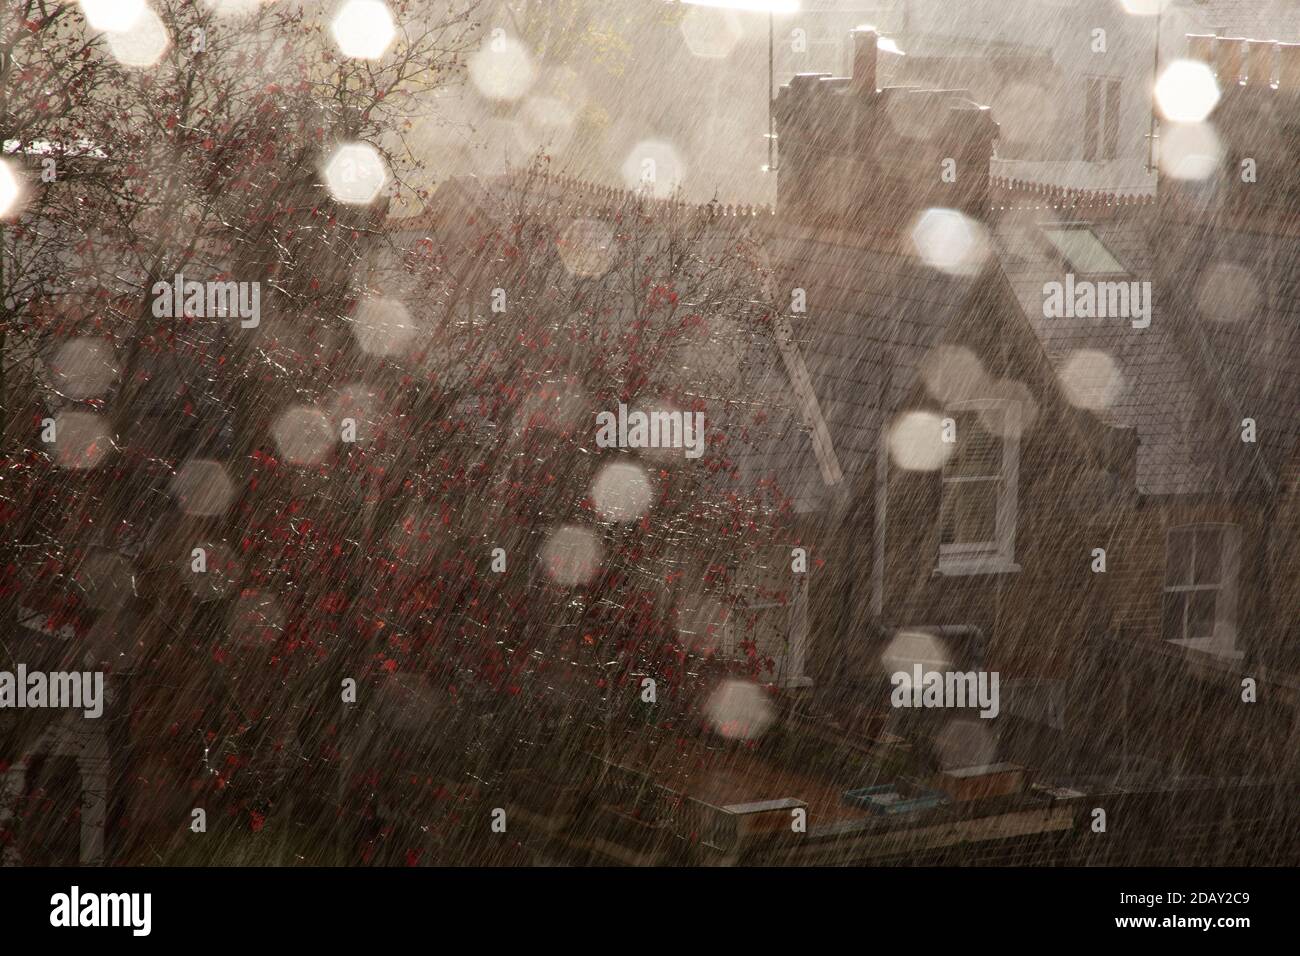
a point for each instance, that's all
(1101, 118)
(980, 485)
(1200, 595)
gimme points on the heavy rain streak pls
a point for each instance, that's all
(587, 433)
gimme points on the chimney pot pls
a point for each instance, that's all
(1288, 66)
(1200, 46)
(865, 55)
(1259, 62)
(1229, 54)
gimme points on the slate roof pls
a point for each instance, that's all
(785, 452)
(1185, 382)
(1189, 379)
(874, 313)
(1156, 395)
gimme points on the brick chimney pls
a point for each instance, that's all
(865, 56)
(1229, 56)
(857, 157)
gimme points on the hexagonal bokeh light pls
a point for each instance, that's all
(909, 648)
(202, 488)
(81, 440)
(9, 188)
(739, 710)
(572, 555)
(654, 167)
(115, 16)
(356, 174)
(143, 44)
(84, 368)
(233, 8)
(303, 435)
(950, 241)
(1144, 8)
(916, 442)
(257, 618)
(710, 32)
(502, 68)
(586, 247)
(755, 6)
(1190, 151)
(364, 29)
(621, 492)
(383, 326)
(1187, 91)
(1091, 379)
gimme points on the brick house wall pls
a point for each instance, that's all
(858, 166)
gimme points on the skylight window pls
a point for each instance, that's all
(1084, 251)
